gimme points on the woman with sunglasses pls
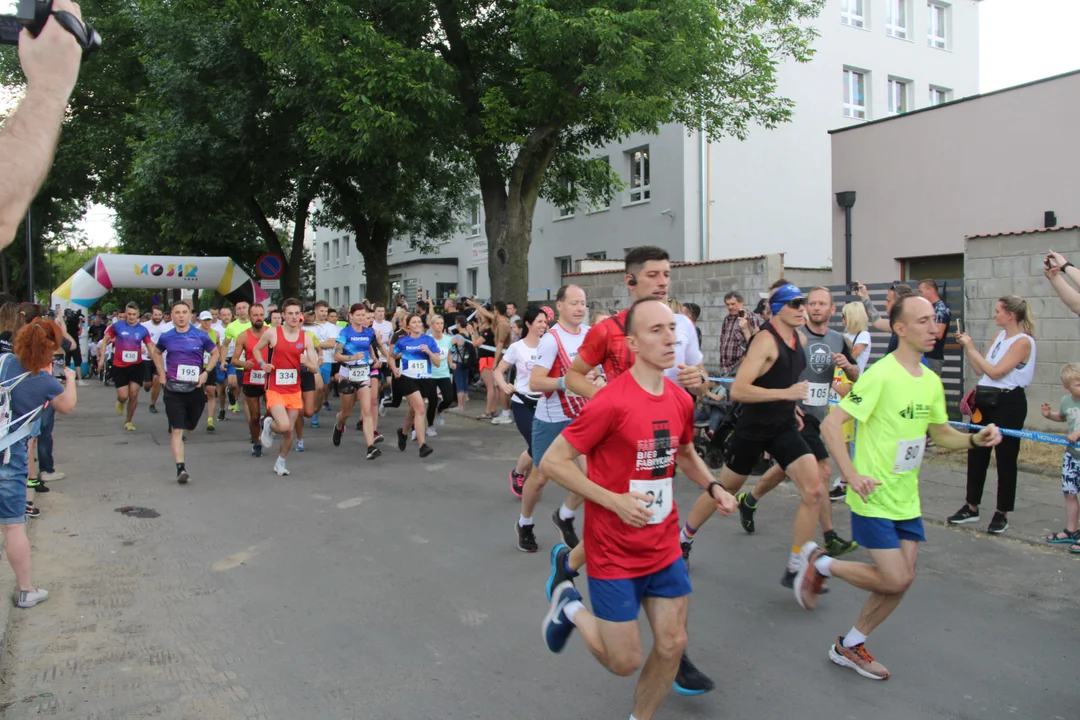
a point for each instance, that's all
(767, 384)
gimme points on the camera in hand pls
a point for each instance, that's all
(33, 14)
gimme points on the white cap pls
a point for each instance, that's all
(205, 315)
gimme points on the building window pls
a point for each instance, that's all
(337, 251)
(938, 95)
(854, 94)
(470, 279)
(326, 295)
(896, 18)
(602, 255)
(337, 297)
(936, 28)
(363, 293)
(345, 250)
(640, 190)
(474, 221)
(345, 294)
(326, 255)
(898, 96)
(564, 265)
(605, 202)
(852, 13)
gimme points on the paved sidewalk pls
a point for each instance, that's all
(392, 590)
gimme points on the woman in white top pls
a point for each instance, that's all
(522, 355)
(1007, 368)
(855, 324)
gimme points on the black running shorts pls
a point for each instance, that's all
(785, 448)
(184, 408)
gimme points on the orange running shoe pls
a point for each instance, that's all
(858, 659)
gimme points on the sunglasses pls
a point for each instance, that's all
(796, 303)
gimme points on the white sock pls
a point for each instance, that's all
(793, 562)
(824, 565)
(565, 513)
(524, 521)
(684, 538)
(571, 609)
(853, 638)
(633, 718)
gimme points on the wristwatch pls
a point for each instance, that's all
(715, 483)
(971, 439)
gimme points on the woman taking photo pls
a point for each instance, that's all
(855, 324)
(1007, 368)
(417, 352)
(521, 356)
(441, 382)
(465, 341)
(33, 350)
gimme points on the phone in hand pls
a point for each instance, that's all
(742, 313)
(855, 288)
(959, 325)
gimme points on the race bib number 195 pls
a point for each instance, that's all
(188, 373)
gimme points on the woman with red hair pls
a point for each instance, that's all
(26, 374)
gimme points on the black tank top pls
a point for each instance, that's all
(764, 421)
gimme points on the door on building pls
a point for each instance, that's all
(444, 290)
(409, 286)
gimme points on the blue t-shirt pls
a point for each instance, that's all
(414, 361)
(184, 353)
(357, 341)
(31, 393)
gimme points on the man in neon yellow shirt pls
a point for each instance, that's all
(895, 401)
(232, 331)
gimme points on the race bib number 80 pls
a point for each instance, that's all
(661, 498)
(909, 455)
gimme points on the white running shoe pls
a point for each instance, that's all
(267, 436)
(430, 432)
(382, 406)
(279, 467)
(30, 598)
(503, 419)
(52, 476)
(412, 435)
(439, 420)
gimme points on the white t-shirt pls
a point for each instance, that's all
(384, 330)
(523, 358)
(862, 338)
(554, 409)
(687, 348)
(156, 331)
(323, 332)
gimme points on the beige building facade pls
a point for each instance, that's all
(925, 180)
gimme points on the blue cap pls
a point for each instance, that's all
(782, 295)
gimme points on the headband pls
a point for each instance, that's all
(783, 295)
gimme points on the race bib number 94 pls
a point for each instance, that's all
(286, 377)
(661, 500)
(909, 454)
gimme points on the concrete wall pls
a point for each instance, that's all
(807, 278)
(704, 283)
(926, 180)
(1000, 265)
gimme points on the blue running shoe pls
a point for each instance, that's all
(558, 569)
(557, 627)
(691, 681)
(315, 420)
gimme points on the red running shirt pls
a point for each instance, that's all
(630, 437)
(605, 345)
(285, 379)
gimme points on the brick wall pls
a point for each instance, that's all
(1004, 264)
(704, 283)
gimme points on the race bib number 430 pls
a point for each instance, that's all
(286, 377)
(129, 356)
(661, 500)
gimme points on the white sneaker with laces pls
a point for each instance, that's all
(503, 419)
(30, 598)
(430, 432)
(52, 476)
(412, 435)
(439, 420)
(267, 436)
(279, 467)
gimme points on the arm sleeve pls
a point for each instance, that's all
(864, 395)
(593, 424)
(594, 348)
(546, 352)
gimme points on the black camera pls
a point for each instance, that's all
(33, 14)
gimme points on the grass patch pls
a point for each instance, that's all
(1034, 456)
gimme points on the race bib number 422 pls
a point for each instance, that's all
(660, 498)
(358, 373)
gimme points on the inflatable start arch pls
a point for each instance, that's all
(107, 271)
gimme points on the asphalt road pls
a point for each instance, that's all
(393, 589)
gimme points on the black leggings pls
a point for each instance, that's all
(445, 386)
(1010, 414)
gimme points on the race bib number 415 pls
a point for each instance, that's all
(417, 368)
(661, 500)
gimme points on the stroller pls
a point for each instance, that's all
(716, 449)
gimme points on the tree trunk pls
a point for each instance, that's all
(376, 267)
(3, 272)
(290, 285)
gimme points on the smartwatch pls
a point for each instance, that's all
(715, 483)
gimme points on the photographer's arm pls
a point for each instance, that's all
(28, 138)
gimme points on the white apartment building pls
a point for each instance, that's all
(700, 200)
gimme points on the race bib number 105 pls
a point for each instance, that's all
(817, 394)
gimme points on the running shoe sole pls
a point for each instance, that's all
(842, 661)
(556, 521)
(338, 432)
(514, 487)
(555, 561)
(374, 453)
(965, 521)
(183, 477)
(402, 440)
(807, 567)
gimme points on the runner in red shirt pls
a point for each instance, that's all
(292, 347)
(633, 434)
(252, 380)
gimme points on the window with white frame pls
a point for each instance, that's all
(854, 93)
(564, 265)
(345, 294)
(345, 250)
(896, 19)
(363, 292)
(326, 254)
(337, 296)
(474, 221)
(326, 295)
(568, 211)
(602, 255)
(471, 276)
(639, 190)
(852, 12)
(898, 96)
(939, 95)
(337, 251)
(936, 25)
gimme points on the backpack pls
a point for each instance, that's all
(465, 354)
(8, 434)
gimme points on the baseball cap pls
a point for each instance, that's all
(205, 315)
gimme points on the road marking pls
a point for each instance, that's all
(350, 503)
(418, 540)
(435, 466)
(317, 496)
(235, 560)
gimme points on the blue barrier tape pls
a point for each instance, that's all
(1022, 434)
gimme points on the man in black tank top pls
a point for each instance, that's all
(768, 387)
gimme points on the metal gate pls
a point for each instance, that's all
(952, 293)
